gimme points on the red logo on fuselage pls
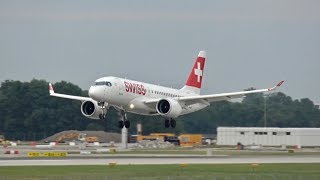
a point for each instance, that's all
(135, 88)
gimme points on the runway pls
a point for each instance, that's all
(164, 160)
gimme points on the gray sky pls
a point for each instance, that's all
(249, 43)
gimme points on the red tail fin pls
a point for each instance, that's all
(196, 74)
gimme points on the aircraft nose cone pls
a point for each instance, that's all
(93, 93)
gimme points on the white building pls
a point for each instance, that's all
(269, 136)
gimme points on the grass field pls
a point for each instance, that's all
(223, 171)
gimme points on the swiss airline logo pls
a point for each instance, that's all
(196, 75)
(135, 88)
(198, 72)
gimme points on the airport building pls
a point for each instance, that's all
(268, 136)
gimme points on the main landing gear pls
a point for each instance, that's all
(170, 122)
(123, 121)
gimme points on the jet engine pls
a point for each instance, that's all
(91, 109)
(169, 108)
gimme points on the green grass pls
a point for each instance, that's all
(219, 171)
(172, 152)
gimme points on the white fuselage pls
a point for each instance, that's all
(129, 95)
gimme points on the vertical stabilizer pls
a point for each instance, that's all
(194, 80)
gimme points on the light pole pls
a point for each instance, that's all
(265, 111)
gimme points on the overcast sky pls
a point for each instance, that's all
(249, 43)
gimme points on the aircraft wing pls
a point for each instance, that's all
(80, 98)
(216, 97)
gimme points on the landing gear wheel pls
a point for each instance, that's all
(127, 124)
(102, 116)
(121, 124)
(173, 123)
(167, 123)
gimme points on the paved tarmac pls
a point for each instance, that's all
(163, 160)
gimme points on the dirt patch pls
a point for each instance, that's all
(72, 135)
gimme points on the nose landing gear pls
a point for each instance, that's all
(170, 122)
(102, 116)
(103, 106)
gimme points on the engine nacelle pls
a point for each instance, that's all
(169, 108)
(91, 109)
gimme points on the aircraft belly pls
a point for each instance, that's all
(142, 112)
(138, 106)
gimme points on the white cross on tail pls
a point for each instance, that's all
(198, 71)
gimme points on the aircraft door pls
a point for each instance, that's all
(121, 87)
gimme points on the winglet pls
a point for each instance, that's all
(51, 91)
(279, 84)
(276, 86)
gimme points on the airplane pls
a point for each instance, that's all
(148, 99)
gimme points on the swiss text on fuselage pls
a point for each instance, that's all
(135, 88)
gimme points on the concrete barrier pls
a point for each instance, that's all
(53, 143)
(11, 152)
(85, 152)
(43, 146)
(103, 150)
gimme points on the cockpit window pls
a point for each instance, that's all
(101, 83)
(108, 84)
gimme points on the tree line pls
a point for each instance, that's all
(27, 112)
